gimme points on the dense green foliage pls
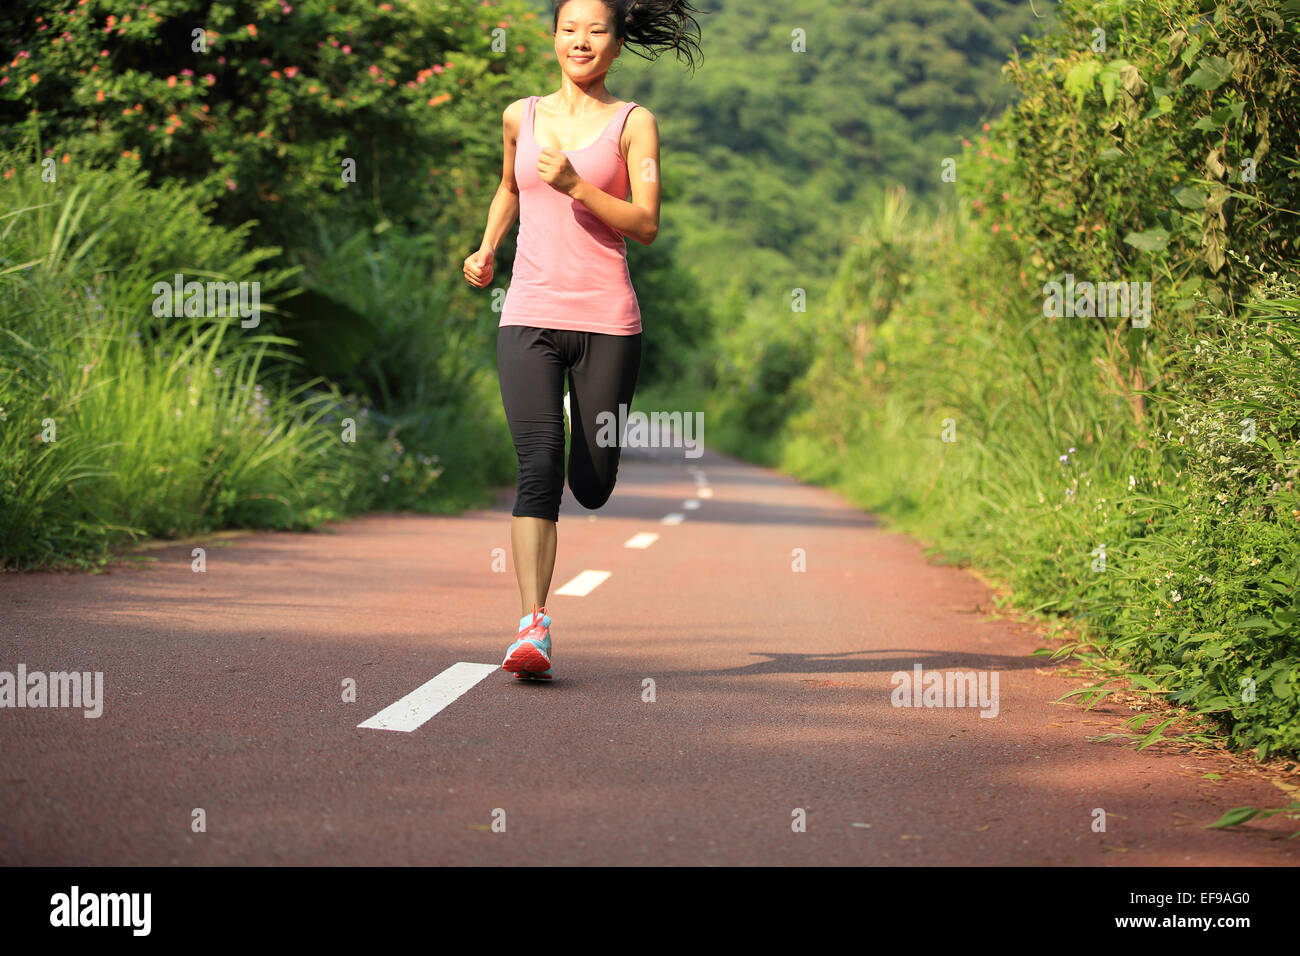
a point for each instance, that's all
(116, 422)
(263, 109)
(798, 114)
(1141, 480)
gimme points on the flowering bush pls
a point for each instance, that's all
(263, 104)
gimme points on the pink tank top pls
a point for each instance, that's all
(570, 268)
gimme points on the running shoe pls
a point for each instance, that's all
(529, 657)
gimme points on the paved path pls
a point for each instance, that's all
(772, 694)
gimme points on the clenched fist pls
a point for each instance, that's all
(478, 268)
(554, 168)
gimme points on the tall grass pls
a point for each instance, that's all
(116, 423)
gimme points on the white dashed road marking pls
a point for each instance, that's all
(642, 540)
(429, 698)
(674, 518)
(584, 583)
(690, 504)
(705, 493)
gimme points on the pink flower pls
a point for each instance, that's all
(290, 71)
(230, 184)
(346, 48)
(209, 78)
(187, 72)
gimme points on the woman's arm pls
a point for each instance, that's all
(639, 218)
(505, 202)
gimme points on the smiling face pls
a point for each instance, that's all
(584, 39)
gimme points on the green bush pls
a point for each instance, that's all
(1100, 468)
(261, 109)
(116, 423)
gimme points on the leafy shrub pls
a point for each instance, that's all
(261, 109)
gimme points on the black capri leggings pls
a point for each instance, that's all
(531, 363)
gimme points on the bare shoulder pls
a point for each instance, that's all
(513, 116)
(642, 116)
(640, 127)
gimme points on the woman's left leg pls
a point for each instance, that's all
(602, 378)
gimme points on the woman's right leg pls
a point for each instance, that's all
(531, 371)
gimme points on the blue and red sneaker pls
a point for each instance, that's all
(529, 657)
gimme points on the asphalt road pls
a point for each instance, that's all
(769, 735)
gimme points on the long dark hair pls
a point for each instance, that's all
(657, 25)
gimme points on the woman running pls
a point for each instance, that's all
(571, 306)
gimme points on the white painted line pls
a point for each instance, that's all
(674, 518)
(705, 492)
(584, 583)
(690, 504)
(642, 540)
(429, 698)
